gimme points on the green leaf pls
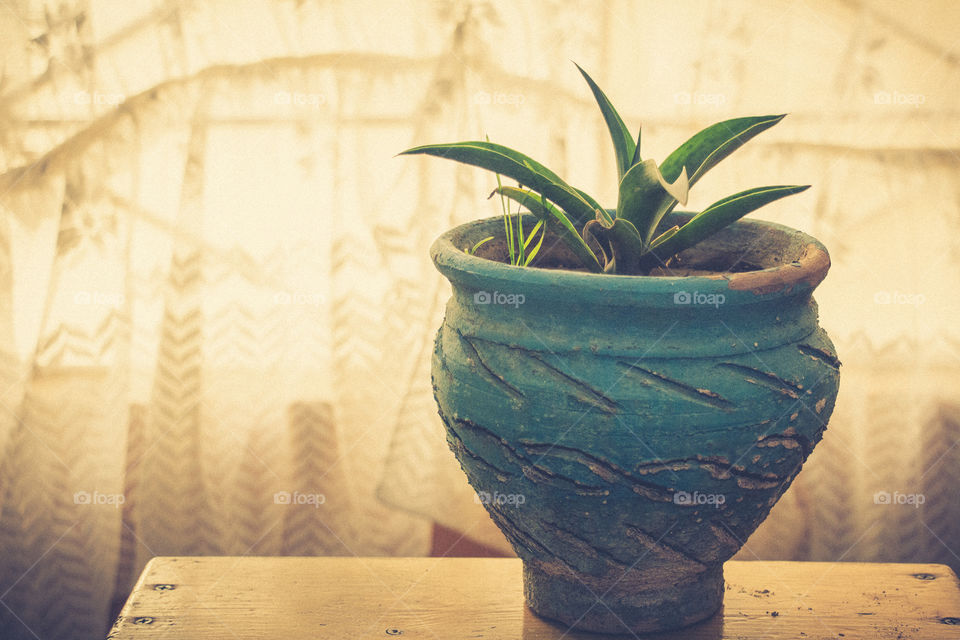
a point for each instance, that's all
(623, 241)
(703, 151)
(515, 165)
(557, 221)
(643, 194)
(714, 218)
(536, 248)
(472, 251)
(507, 227)
(533, 233)
(623, 144)
(666, 235)
(711, 145)
(636, 152)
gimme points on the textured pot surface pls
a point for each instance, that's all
(628, 434)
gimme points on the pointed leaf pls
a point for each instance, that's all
(643, 192)
(705, 149)
(556, 221)
(713, 144)
(714, 218)
(623, 144)
(636, 151)
(519, 167)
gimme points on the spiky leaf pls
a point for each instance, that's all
(711, 145)
(518, 166)
(623, 144)
(636, 150)
(714, 218)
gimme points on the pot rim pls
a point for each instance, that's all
(788, 279)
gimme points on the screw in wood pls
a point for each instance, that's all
(950, 620)
(143, 620)
(164, 587)
(924, 576)
(394, 632)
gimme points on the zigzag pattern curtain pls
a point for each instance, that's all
(216, 306)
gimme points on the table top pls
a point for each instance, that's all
(231, 598)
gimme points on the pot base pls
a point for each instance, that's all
(633, 602)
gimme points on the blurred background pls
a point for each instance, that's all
(217, 307)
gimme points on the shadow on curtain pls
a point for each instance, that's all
(216, 306)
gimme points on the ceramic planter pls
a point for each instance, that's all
(628, 434)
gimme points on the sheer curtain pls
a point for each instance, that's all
(216, 306)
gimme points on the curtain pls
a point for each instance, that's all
(216, 302)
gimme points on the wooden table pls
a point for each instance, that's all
(226, 598)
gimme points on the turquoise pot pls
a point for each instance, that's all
(627, 434)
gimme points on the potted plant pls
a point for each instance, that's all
(630, 390)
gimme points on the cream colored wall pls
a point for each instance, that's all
(216, 284)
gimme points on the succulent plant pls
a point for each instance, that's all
(625, 240)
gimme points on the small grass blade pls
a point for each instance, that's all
(557, 221)
(533, 232)
(536, 248)
(479, 244)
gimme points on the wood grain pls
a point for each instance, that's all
(230, 598)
